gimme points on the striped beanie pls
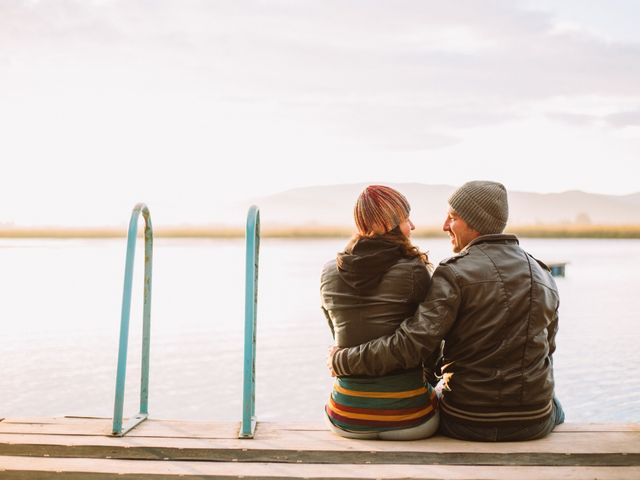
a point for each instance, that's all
(379, 209)
(483, 205)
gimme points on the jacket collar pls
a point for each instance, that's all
(493, 238)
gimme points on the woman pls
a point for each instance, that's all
(367, 291)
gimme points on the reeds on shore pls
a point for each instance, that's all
(530, 231)
(576, 231)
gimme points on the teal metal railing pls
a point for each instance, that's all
(118, 429)
(252, 239)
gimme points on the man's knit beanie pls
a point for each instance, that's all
(379, 209)
(483, 205)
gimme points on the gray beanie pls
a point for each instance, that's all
(483, 205)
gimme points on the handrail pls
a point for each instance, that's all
(118, 429)
(252, 239)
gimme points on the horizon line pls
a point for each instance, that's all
(307, 231)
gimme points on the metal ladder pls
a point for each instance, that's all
(252, 240)
(118, 429)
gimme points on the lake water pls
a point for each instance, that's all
(60, 314)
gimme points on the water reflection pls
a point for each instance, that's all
(61, 313)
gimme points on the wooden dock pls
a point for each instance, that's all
(82, 448)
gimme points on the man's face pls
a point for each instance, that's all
(459, 232)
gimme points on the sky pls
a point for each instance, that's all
(199, 108)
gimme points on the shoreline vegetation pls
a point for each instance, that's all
(306, 232)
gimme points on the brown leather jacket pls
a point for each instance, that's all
(497, 309)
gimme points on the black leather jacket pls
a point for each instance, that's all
(497, 309)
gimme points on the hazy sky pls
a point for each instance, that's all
(196, 107)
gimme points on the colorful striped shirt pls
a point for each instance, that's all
(374, 404)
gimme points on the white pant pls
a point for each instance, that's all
(423, 430)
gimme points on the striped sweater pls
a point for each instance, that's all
(375, 404)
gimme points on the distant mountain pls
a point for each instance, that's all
(632, 198)
(332, 205)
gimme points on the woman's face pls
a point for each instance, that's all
(406, 226)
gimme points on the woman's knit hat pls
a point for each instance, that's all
(483, 205)
(379, 209)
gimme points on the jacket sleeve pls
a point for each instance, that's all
(552, 329)
(329, 322)
(414, 340)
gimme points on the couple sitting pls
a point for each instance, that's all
(484, 322)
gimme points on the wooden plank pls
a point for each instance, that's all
(436, 451)
(47, 468)
(271, 437)
(565, 443)
(598, 427)
(57, 426)
(336, 457)
(71, 425)
(102, 427)
(156, 439)
(563, 439)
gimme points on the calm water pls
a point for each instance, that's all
(60, 313)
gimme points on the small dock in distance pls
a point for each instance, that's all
(557, 268)
(84, 448)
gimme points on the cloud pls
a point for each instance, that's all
(405, 74)
(619, 119)
(575, 119)
(628, 118)
(286, 48)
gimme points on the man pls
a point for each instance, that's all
(496, 307)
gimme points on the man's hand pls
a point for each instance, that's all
(332, 351)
